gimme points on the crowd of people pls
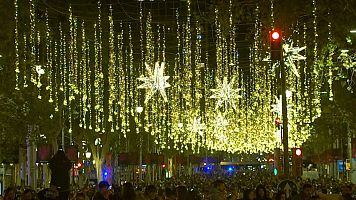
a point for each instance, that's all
(257, 185)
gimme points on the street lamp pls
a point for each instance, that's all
(88, 155)
(180, 125)
(139, 109)
(87, 172)
(288, 93)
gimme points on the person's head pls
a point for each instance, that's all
(27, 195)
(151, 192)
(128, 191)
(182, 192)
(261, 192)
(281, 195)
(169, 194)
(249, 194)
(193, 195)
(103, 186)
(307, 190)
(346, 190)
(80, 196)
(10, 194)
(219, 185)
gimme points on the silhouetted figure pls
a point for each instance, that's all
(60, 166)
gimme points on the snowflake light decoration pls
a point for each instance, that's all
(197, 126)
(293, 54)
(225, 93)
(155, 81)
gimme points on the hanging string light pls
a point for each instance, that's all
(17, 54)
(316, 75)
(54, 84)
(121, 80)
(330, 61)
(32, 42)
(112, 81)
(49, 63)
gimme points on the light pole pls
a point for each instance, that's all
(276, 50)
(139, 110)
(88, 156)
(285, 120)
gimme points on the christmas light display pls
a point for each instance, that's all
(93, 72)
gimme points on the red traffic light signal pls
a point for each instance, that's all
(275, 37)
(297, 162)
(297, 152)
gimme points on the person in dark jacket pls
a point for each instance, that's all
(128, 192)
(60, 166)
(306, 194)
(103, 193)
(248, 194)
(261, 193)
(151, 192)
(346, 192)
(10, 194)
(182, 193)
(219, 190)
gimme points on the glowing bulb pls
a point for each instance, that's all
(139, 109)
(180, 125)
(288, 93)
(275, 35)
(298, 152)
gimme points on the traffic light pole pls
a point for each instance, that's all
(285, 119)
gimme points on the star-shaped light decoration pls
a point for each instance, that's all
(293, 54)
(221, 122)
(225, 93)
(155, 81)
(197, 126)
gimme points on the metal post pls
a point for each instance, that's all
(62, 132)
(3, 178)
(285, 120)
(62, 129)
(140, 163)
(352, 174)
(140, 142)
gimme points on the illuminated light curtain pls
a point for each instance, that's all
(245, 127)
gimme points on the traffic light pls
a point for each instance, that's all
(298, 152)
(275, 38)
(297, 161)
